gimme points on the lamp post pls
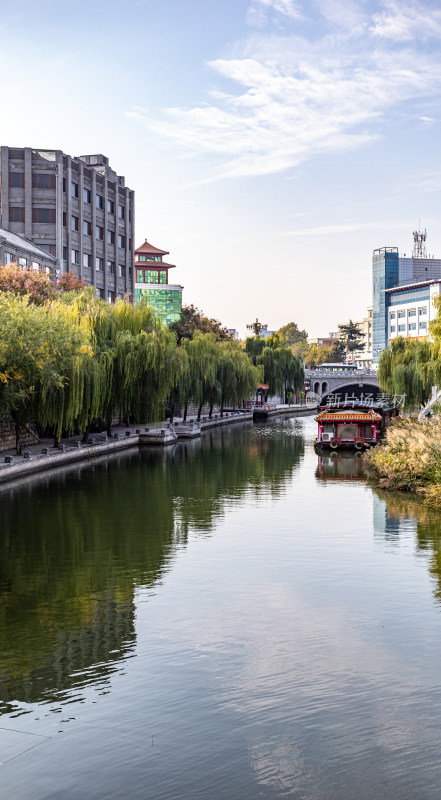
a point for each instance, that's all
(256, 327)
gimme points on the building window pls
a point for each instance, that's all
(392, 314)
(392, 328)
(149, 258)
(422, 312)
(121, 212)
(35, 266)
(110, 237)
(411, 312)
(74, 189)
(110, 206)
(401, 314)
(64, 219)
(16, 180)
(87, 196)
(74, 223)
(423, 325)
(111, 267)
(16, 214)
(65, 253)
(87, 260)
(121, 241)
(87, 227)
(163, 276)
(99, 232)
(110, 297)
(401, 328)
(99, 201)
(9, 258)
(75, 256)
(64, 185)
(158, 258)
(22, 262)
(139, 276)
(412, 326)
(121, 271)
(99, 264)
(142, 258)
(99, 293)
(41, 180)
(44, 215)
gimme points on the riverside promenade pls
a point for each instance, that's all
(43, 455)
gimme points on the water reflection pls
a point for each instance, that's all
(403, 513)
(341, 466)
(76, 545)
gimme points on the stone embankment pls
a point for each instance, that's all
(43, 456)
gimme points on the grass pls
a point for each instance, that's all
(409, 458)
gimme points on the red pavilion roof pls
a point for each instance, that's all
(148, 248)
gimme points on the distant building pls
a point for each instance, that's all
(391, 271)
(76, 209)
(152, 282)
(16, 249)
(363, 358)
(234, 333)
(265, 333)
(410, 309)
(323, 341)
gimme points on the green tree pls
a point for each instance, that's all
(236, 375)
(290, 334)
(192, 320)
(352, 337)
(406, 368)
(199, 381)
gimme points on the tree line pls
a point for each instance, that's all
(69, 360)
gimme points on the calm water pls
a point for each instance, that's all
(232, 619)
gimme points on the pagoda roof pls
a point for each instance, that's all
(154, 264)
(149, 248)
(348, 416)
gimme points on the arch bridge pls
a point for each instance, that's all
(357, 383)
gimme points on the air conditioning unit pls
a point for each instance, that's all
(326, 437)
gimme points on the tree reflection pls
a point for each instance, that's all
(75, 546)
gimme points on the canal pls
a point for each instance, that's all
(231, 619)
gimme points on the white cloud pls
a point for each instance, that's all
(260, 10)
(407, 21)
(289, 99)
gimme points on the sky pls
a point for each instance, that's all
(272, 144)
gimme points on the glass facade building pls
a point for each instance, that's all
(389, 271)
(152, 283)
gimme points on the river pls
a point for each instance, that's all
(230, 619)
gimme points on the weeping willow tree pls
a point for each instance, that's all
(282, 371)
(406, 368)
(199, 381)
(42, 353)
(236, 376)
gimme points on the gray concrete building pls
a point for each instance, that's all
(76, 209)
(16, 249)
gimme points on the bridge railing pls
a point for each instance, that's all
(350, 373)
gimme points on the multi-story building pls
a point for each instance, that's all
(390, 271)
(76, 209)
(363, 358)
(17, 250)
(151, 282)
(410, 308)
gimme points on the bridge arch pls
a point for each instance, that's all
(344, 391)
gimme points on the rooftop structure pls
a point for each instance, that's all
(16, 249)
(152, 282)
(76, 209)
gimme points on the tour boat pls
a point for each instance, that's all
(352, 425)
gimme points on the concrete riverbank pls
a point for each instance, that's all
(43, 456)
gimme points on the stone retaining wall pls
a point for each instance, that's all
(7, 436)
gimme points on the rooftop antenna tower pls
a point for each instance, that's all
(419, 244)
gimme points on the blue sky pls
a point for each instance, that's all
(272, 144)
